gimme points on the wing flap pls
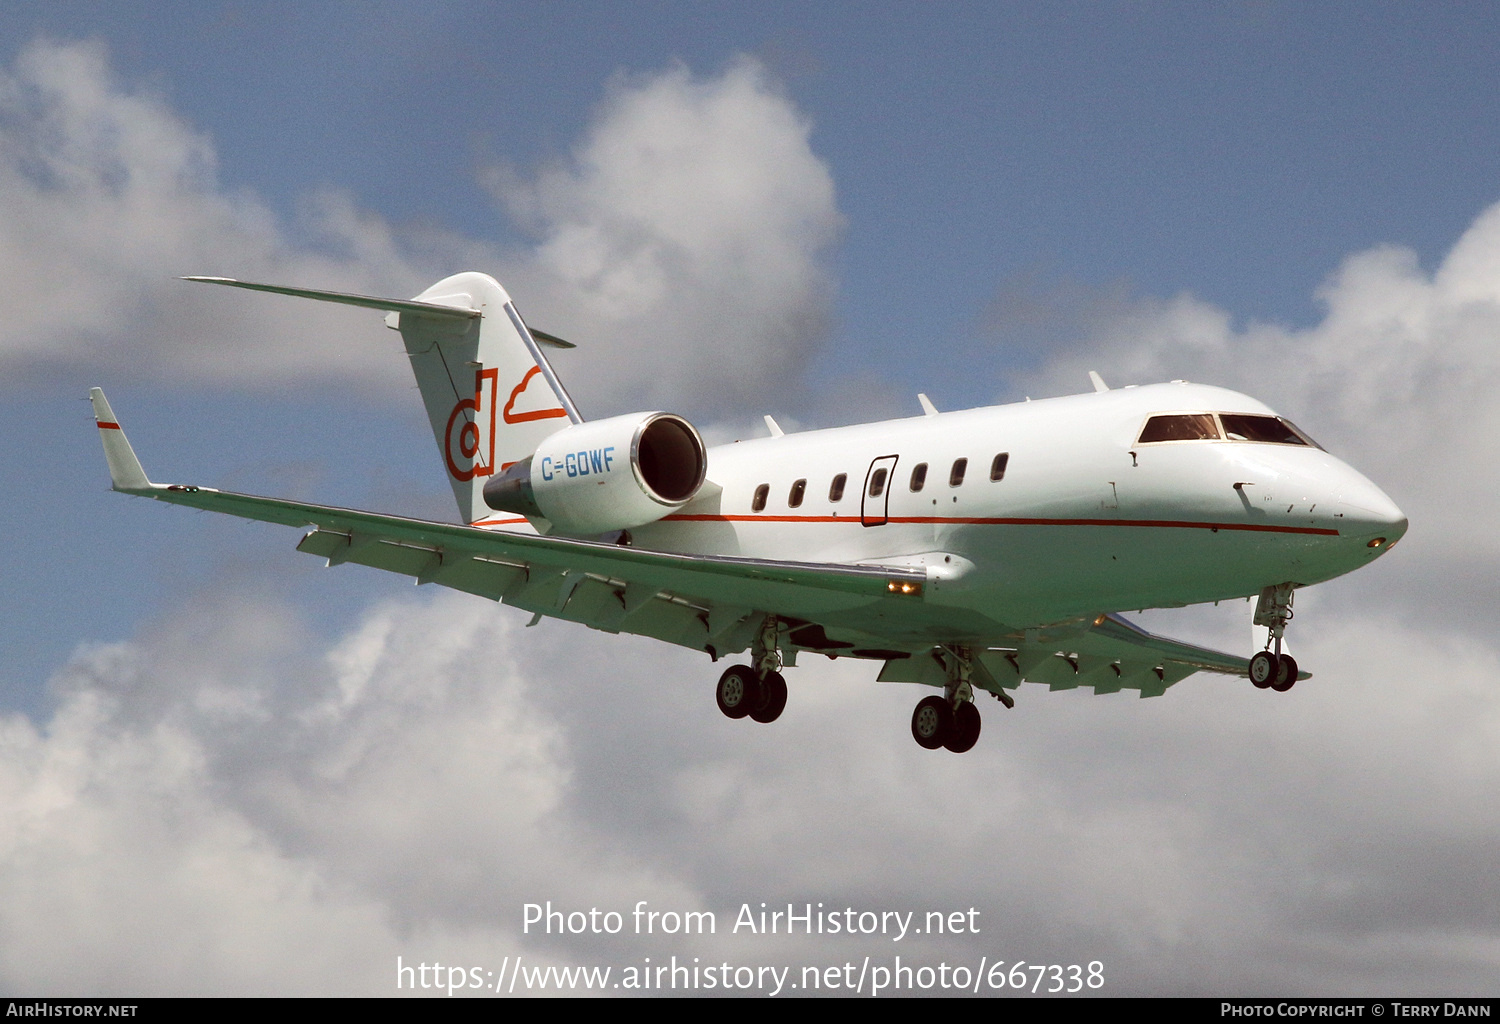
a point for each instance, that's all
(1111, 656)
(600, 603)
(485, 577)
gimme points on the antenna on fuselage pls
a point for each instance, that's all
(1099, 384)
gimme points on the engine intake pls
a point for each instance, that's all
(606, 475)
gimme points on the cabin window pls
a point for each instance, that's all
(758, 503)
(918, 476)
(956, 476)
(877, 482)
(1197, 426)
(997, 468)
(836, 489)
(1267, 429)
(794, 499)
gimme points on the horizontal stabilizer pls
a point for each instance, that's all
(349, 299)
(414, 306)
(549, 339)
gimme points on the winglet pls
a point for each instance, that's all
(928, 409)
(125, 472)
(774, 427)
(1098, 381)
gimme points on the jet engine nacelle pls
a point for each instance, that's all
(606, 475)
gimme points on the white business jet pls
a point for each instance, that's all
(966, 551)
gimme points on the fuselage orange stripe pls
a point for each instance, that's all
(1180, 524)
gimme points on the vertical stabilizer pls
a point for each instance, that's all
(490, 393)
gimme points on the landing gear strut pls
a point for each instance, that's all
(1271, 667)
(951, 720)
(759, 692)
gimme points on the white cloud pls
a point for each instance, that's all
(106, 196)
(214, 809)
(683, 243)
(682, 247)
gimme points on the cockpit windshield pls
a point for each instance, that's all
(1239, 427)
(1230, 426)
(1197, 426)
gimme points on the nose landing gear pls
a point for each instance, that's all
(1272, 668)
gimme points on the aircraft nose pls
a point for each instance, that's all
(1370, 515)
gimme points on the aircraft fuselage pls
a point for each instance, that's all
(1083, 518)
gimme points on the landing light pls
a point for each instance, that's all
(904, 587)
(1376, 542)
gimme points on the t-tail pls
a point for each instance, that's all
(491, 395)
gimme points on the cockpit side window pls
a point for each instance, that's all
(1192, 426)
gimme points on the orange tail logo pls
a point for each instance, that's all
(470, 415)
(511, 416)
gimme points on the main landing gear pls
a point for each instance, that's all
(951, 720)
(744, 692)
(937, 723)
(758, 692)
(1272, 668)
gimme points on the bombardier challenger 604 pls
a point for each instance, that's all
(966, 551)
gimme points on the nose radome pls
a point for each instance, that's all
(1369, 512)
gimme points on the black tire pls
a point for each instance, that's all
(1286, 674)
(931, 722)
(965, 731)
(773, 698)
(1263, 669)
(738, 691)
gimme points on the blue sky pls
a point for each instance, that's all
(976, 201)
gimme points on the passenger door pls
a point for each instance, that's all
(875, 499)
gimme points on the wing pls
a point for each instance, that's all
(706, 602)
(712, 603)
(1110, 655)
